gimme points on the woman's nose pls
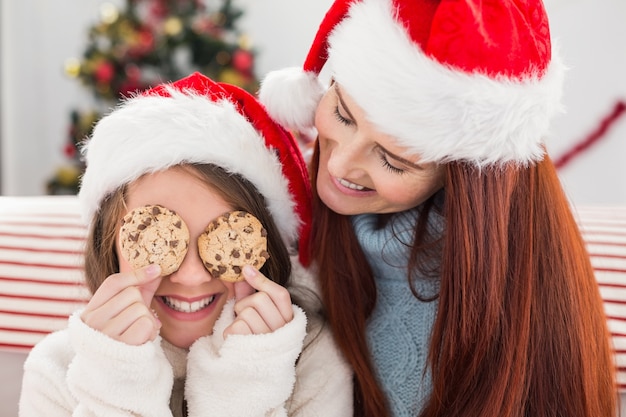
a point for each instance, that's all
(345, 157)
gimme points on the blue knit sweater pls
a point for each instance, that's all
(399, 329)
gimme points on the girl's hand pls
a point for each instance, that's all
(120, 308)
(261, 311)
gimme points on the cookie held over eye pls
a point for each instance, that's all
(229, 242)
(154, 235)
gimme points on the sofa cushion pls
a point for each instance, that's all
(604, 231)
(42, 238)
(41, 244)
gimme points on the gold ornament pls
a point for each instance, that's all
(173, 26)
(72, 67)
(67, 175)
(109, 13)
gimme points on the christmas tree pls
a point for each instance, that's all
(145, 43)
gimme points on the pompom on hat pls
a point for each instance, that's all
(451, 80)
(196, 120)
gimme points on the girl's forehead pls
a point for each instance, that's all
(181, 191)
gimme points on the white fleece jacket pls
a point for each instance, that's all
(81, 372)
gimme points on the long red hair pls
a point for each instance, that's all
(520, 328)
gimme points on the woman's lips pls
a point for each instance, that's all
(351, 189)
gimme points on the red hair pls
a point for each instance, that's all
(520, 328)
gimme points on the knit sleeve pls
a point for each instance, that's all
(244, 375)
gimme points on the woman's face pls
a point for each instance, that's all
(189, 301)
(362, 170)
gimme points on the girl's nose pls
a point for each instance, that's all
(191, 271)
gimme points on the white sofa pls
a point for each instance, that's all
(41, 241)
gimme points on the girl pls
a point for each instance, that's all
(454, 275)
(187, 343)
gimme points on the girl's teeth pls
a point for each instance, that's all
(187, 307)
(350, 184)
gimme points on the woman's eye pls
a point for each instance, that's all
(342, 119)
(388, 166)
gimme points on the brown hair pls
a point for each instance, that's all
(100, 256)
(520, 328)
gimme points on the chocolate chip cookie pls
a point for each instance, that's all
(231, 241)
(154, 235)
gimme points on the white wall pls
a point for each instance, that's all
(38, 35)
(592, 34)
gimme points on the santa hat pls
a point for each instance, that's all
(466, 80)
(196, 120)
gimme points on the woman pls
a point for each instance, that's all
(454, 275)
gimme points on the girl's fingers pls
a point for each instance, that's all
(137, 317)
(139, 332)
(237, 327)
(98, 317)
(242, 290)
(258, 308)
(277, 294)
(147, 279)
(122, 303)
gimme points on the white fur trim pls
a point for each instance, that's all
(290, 96)
(152, 133)
(439, 113)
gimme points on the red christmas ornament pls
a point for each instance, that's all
(70, 150)
(243, 61)
(143, 44)
(104, 72)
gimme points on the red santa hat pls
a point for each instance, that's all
(470, 80)
(196, 120)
